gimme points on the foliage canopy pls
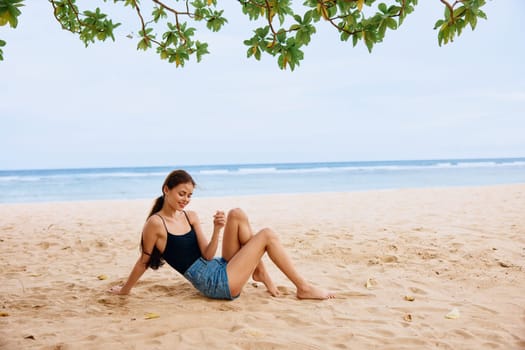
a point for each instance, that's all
(169, 26)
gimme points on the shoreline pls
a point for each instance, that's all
(262, 195)
(258, 179)
(453, 248)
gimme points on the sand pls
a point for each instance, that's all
(451, 249)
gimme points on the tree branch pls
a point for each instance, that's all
(332, 19)
(71, 5)
(450, 9)
(140, 16)
(268, 10)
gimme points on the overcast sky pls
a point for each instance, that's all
(65, 106)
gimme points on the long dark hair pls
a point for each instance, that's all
(174, 179)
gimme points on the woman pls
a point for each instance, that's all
(174, 235)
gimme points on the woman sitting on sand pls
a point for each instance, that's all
(174, 235)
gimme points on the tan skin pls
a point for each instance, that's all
(241, 248)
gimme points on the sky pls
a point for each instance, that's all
(109, 105)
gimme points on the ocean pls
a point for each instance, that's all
(43, 185)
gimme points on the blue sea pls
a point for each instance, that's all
(45, 185)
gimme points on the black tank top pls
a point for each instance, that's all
(181, 250)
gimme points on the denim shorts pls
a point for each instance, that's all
(210, 278)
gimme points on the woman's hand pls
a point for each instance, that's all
(116, 290)
(219, 219)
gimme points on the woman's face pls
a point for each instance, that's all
(179, 196)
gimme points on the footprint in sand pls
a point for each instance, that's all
(465, 334)
(416, 290)
(253, 333)
(228, 307)
(389, 259)
(353, 294)
(284, 290)
(101, 244)
(44, 245)
(159, 288)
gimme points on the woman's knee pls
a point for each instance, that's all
(237, 214)
(269, 234)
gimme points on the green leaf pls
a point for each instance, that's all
(473, 21)
(355, 39)
(216, 22)
(345, 36)
(198, 4)
(394, 10)
(251, 51)
(144, 44)
(460, 11)
(308, 17)
(281, 36)
(180, 56)
(202, 49)
(381, 29)
(130, 3)
(163, 53)
(9, 13)
(438, 24)
(170, 38)
(391, 23)
(2, 44)
(158, 13)
(369, 41)
(481, 14)
(262, 32)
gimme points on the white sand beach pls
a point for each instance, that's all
(412, 269)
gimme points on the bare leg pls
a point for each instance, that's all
(243, 263)
(236, 234)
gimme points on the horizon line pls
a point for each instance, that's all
(264, 163)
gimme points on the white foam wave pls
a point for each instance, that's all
(356, 168)
(214, 172)
(19, 178)
(119, 174)
(267, 170)
(28, 178)
(273, 170)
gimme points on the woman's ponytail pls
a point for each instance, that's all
(157, 206)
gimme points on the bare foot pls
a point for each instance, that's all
(115, 290)
(311, 292)
(264, 277)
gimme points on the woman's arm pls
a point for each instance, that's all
(149, 238)
(208, 249)
(137, 272)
